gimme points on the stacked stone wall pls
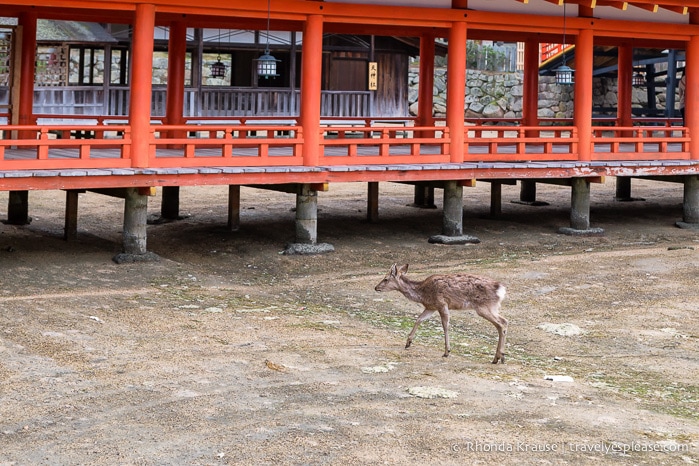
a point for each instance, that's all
(499, 95)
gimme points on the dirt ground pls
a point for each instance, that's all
(228, 352)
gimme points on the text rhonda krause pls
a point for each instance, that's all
(603, 448)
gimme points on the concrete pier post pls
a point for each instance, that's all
(453, 218)
(580, 210)
(233, 207)
(527, 191)
(70, 232)
(170, 204)
(307, 215)
(135, 216)
(134, 234)
(18, 208)
(495, 199)
(690, 203)
(580, 204)
(423, 197)
(372, 209)
(307, 224)
(623, 190)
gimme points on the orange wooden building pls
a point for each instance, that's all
(303, 153)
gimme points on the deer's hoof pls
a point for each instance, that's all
(500, 359)
(446, 354)
(407, 344)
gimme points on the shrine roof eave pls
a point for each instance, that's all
(351, 18)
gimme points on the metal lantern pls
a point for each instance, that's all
(267, 66)
(638, 80)
(564, 75)
(218, 69)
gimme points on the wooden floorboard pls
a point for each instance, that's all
(211, 173)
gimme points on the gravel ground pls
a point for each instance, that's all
(228, 352)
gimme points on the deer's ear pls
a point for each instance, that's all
(394, 269)
(403, 269)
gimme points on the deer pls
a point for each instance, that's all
(444, 293)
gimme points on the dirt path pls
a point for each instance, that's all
(227, 352)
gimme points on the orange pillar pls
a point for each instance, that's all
(26, 90)
(425, 100)
(624, 85)
(311, 86)
(177, 51)
(141, 84)
(530, 97)
(456, 89)
(582, 115)
(692, 95)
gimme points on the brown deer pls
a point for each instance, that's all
(440, 293)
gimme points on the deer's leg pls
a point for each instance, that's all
(426, 314)
(444, 314)
(491, 315)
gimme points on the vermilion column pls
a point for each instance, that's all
(311, 85)
(425, 101)
(624, 86)
(530, 98)
(456, 89)
(177, 51)
(692, 95)
(582, 115)
(28, 58)
(141, 84)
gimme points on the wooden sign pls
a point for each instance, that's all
(373, 75)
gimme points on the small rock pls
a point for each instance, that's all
(432, 392)
(565, 329)
(558, 378)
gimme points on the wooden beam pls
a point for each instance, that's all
(669, 179)
(507, 181)
(653, 8)
(290, 188)
(623, 6)
(683, 10)
(568, 181)
(122, 192)
(439, 184)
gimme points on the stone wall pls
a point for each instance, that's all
(499, 95)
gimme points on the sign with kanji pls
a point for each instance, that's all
(373, 75)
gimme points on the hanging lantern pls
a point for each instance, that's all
(638, 80)
(564, 75)
(218, 69)
(266, 63)
(267, 66)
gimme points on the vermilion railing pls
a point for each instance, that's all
(225, 145)
(341, 145)
(515, 143)
(40, 147)
(641, 143)
(31, 147)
